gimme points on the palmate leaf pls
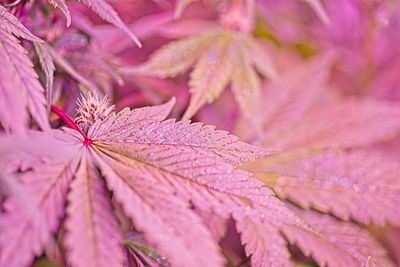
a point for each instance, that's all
(325, 163)
(20, 88)
(212, 54)
(156, 170)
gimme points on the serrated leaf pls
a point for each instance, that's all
(264, 244)
(158, 170)
(169, 60)
(29, 94)
(90, 224)
(164, 219)
(107, 12)
(367, 193)
(355, 241)
(212, 54)
(47, 65)
(323, 164)
(11, 24)
(246, 85)
(210, 75)
(26, 230)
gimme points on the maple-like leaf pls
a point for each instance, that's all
(20, 89)
(157, 170)
(322, 139)
(219, 57)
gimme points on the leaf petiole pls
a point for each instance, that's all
(60, 113)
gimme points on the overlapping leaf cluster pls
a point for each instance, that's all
(133, 187)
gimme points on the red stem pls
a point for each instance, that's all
(60, 113)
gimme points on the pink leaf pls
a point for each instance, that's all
(47, 65)
(264, 243)
(158, 171)
(92, 234)
(367, 193)
(212, 53)
(11, 24)
(355, 241)
(166, 220)
(107, 12)
(26, 93)
(26, 230)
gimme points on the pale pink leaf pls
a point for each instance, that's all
(17, 67)
(360, 184)
(92, 234)
(166, 220)
(11, 24)
(118, 130)
(211, 74)
(47, 65)
(264, 243)
(13, 114)
(356, 242)
(301, 113)
(339, 124)
(158, 170)
(26, 230)
(169, 60)
(246, 86)
(107, 12)
(212, 54)
(261, 59)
